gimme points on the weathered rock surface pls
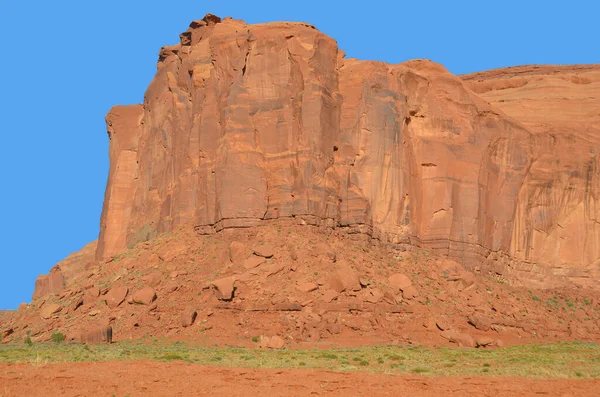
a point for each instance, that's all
(245, 124)
(49, 309)
(116, 296)
(556, 231)
(64, 270)
(100, 334)
(224, 288)
(145, 296)
(188, 316)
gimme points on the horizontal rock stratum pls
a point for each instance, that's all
(246, 124)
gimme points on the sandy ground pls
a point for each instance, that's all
(147, 378)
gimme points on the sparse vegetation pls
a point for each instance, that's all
(546, 361)
(57, 337)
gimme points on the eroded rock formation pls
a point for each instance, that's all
(557, 218)
(247, 123)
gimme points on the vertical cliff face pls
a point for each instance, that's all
(247, 123)
(557, 228)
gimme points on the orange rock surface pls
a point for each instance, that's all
(243, 124)
(246, 124)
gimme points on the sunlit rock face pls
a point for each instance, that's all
(244, 124)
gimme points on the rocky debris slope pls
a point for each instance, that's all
(243, 124)
(295, 285)
(65, 269)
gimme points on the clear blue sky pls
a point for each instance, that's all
(65, 63)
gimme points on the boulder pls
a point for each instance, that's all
(94, 292)
(480, 321)
(399, 281)
(330, 295)
(145, 296)
(484, 341)
(410, 292)
(188, 316)
(224, 288)
(116, 296)
(49, 310)
(77, 303)
(307, 287)
(461, 339)
(443, 325)
(99, 334)
(276, 342)
(344, 280)
(373, 296)
(264, 250)
(238, 252)
(326, 250)
(253, 261)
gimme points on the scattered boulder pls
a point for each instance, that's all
(410, 292)
(448, 266)
(293, 253)
(145, 296)
(178, 273)
(459, 338)
(23, 307)
(334, 328)
(462, 279)
(237, 252)
(78, 303)
(94, 292)
(344, 280)
(224, 288)
(443, 325)
(253, 261)
(7, 332)
(101, 334)
(390, 298)
(188, 316)
(329, 295)
(484, 341)
(274, 269)
(327, 251)
(399, 281)
(153, 260)
(373, 296)
(264, 250)
(116, 296)
(276, 342)
(49, 310)
(307, 287)
(480, 321)
(171, 251)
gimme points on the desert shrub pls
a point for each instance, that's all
(57, 337)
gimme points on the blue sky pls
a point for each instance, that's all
(65, 63)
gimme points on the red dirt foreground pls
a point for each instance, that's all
(179, 379)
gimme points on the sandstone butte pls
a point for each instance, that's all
(249, 124)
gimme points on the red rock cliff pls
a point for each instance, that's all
(247, 123)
